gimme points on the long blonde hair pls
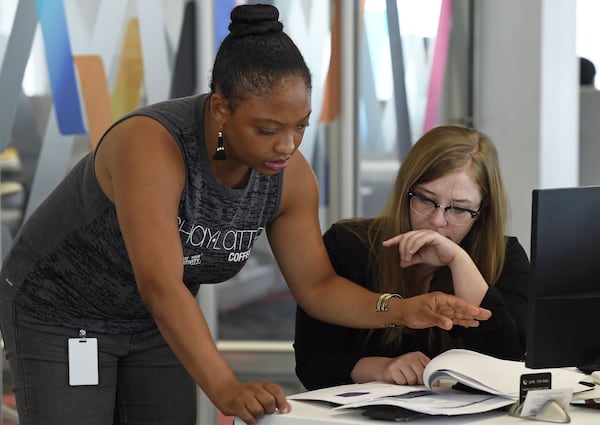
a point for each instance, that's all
(439, 152)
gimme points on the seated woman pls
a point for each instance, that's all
(442, 229)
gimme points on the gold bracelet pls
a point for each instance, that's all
(383, 301)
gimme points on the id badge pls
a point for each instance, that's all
(83, 361)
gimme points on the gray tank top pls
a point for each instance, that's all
(68, 264)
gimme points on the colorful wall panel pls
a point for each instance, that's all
(102, 60)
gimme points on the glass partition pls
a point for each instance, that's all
(415, 72)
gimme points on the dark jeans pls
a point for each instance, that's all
(140, 379)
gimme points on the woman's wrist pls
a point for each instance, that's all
(383, 306)
(383, 301)
(368, 369)
(467, 280)
(462, 257)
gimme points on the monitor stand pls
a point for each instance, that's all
(551, 411)
(590, 367)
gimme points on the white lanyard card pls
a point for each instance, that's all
(83, 361)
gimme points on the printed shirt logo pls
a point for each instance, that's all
(193, 260)
(238, 243)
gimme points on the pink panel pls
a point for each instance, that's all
(438, 66)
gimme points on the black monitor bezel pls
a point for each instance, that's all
(564, 296)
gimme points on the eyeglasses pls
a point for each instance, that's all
(424, 206)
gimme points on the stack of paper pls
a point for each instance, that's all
(495, 383)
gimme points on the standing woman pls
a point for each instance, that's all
(442, 229)
(173, 197)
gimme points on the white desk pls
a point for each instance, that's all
(313, 413)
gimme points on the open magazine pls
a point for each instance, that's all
(491, 383)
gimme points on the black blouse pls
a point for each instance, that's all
(326, 354)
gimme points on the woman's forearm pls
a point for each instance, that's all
(468, 282)
(369, 369)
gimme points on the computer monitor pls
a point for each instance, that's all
(564, 290)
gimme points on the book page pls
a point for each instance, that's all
(448, 404)
(490, 374)
(352, 393)
(416, 398)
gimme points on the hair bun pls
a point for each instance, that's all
(250, 19)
